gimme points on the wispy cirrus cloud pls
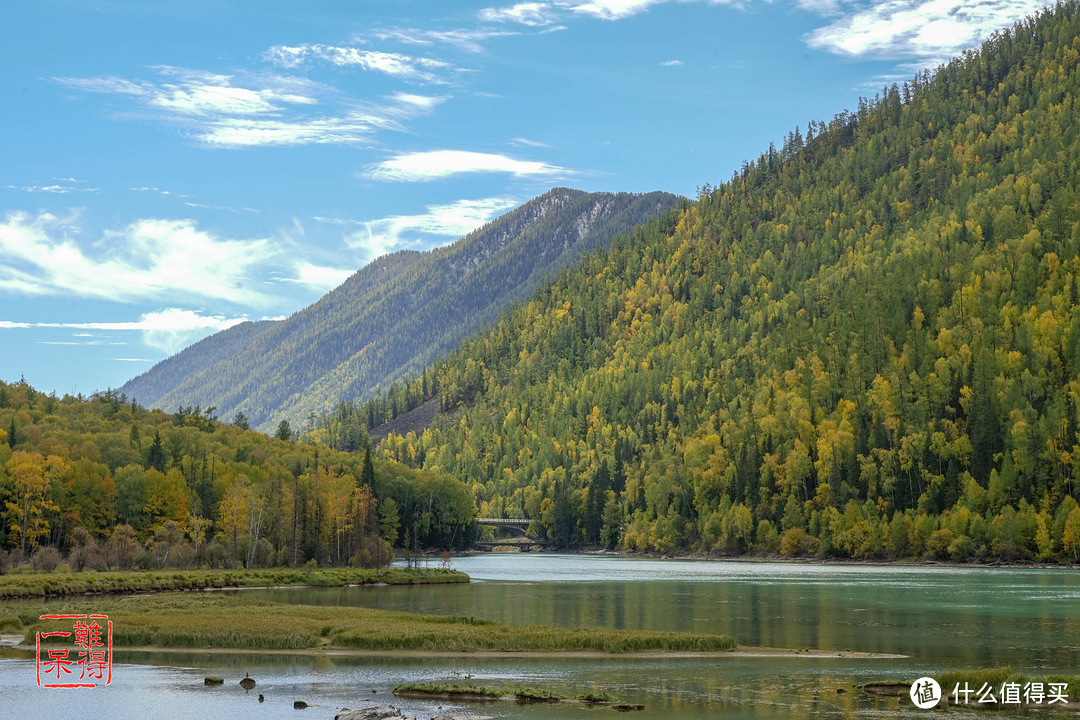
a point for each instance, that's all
(319, 278)
(931, 31)
(405, 67)
(548, 13)
(528, 142)
(148, 259)
(468, 40)
(167, 330)
(258, 110)
(526, 13)
(672, 63)
(440, 164)
(447, 221)
(56, 189)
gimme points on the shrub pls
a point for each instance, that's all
(795, 541)
(768, 540)
(937, 545)
(46, 559)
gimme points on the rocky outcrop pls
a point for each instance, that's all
(376, 712)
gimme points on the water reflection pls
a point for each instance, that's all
(939, 617)
(953, 616)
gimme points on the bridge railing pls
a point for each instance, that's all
(502, 521)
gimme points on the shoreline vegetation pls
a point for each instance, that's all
(23, 585)
(200, 621)
(520, 695)
(814, 560)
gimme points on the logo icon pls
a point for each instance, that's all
(925, 693)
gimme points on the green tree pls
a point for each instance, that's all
(155, 457)
(284, 432)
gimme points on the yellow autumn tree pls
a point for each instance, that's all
(30, 475)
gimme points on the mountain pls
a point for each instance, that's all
(865, 344)
(390, 318)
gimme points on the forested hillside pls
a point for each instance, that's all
(163, 378)
(115, 485)
(392, 317)
(865, 344)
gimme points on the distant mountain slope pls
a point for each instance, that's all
(392, 316)
(167, 374)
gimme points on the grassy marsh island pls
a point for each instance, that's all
(184, 620)
(479, 692)
(40, 584)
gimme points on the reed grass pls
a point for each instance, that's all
(182, 620)
(520, 694)
(39, 584)
(432, 689)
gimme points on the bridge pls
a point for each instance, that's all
(520, 526)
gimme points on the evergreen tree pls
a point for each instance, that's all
(155, 457)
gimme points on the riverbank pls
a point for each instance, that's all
(334, 652)
(22, 585)
(200, 621)
(810, 560)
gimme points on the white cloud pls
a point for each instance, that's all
(821, 7)
(672, 63)
(439, 164)
(220, 207)
(319, 278)
(467, 40)
(196, 93)
(396, 65)
(132, 360)
(420, 103)
(258, 110)
(545, 14)
(147, 259)
(612, 9)
(451, 221)
(167, 330)
(243, 132)
(58, 189)
(526, 13)
(932, 31)
(530, 143)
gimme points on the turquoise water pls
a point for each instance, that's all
(942, 616)
(938, 617)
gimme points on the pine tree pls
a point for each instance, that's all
(155, 458)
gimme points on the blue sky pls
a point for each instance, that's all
(171, 168)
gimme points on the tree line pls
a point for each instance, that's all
(111, 484)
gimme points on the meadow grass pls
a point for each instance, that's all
(41, 584)
(450, 691)
(184, 620)
(520, 694)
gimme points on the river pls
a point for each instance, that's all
(939, 617)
